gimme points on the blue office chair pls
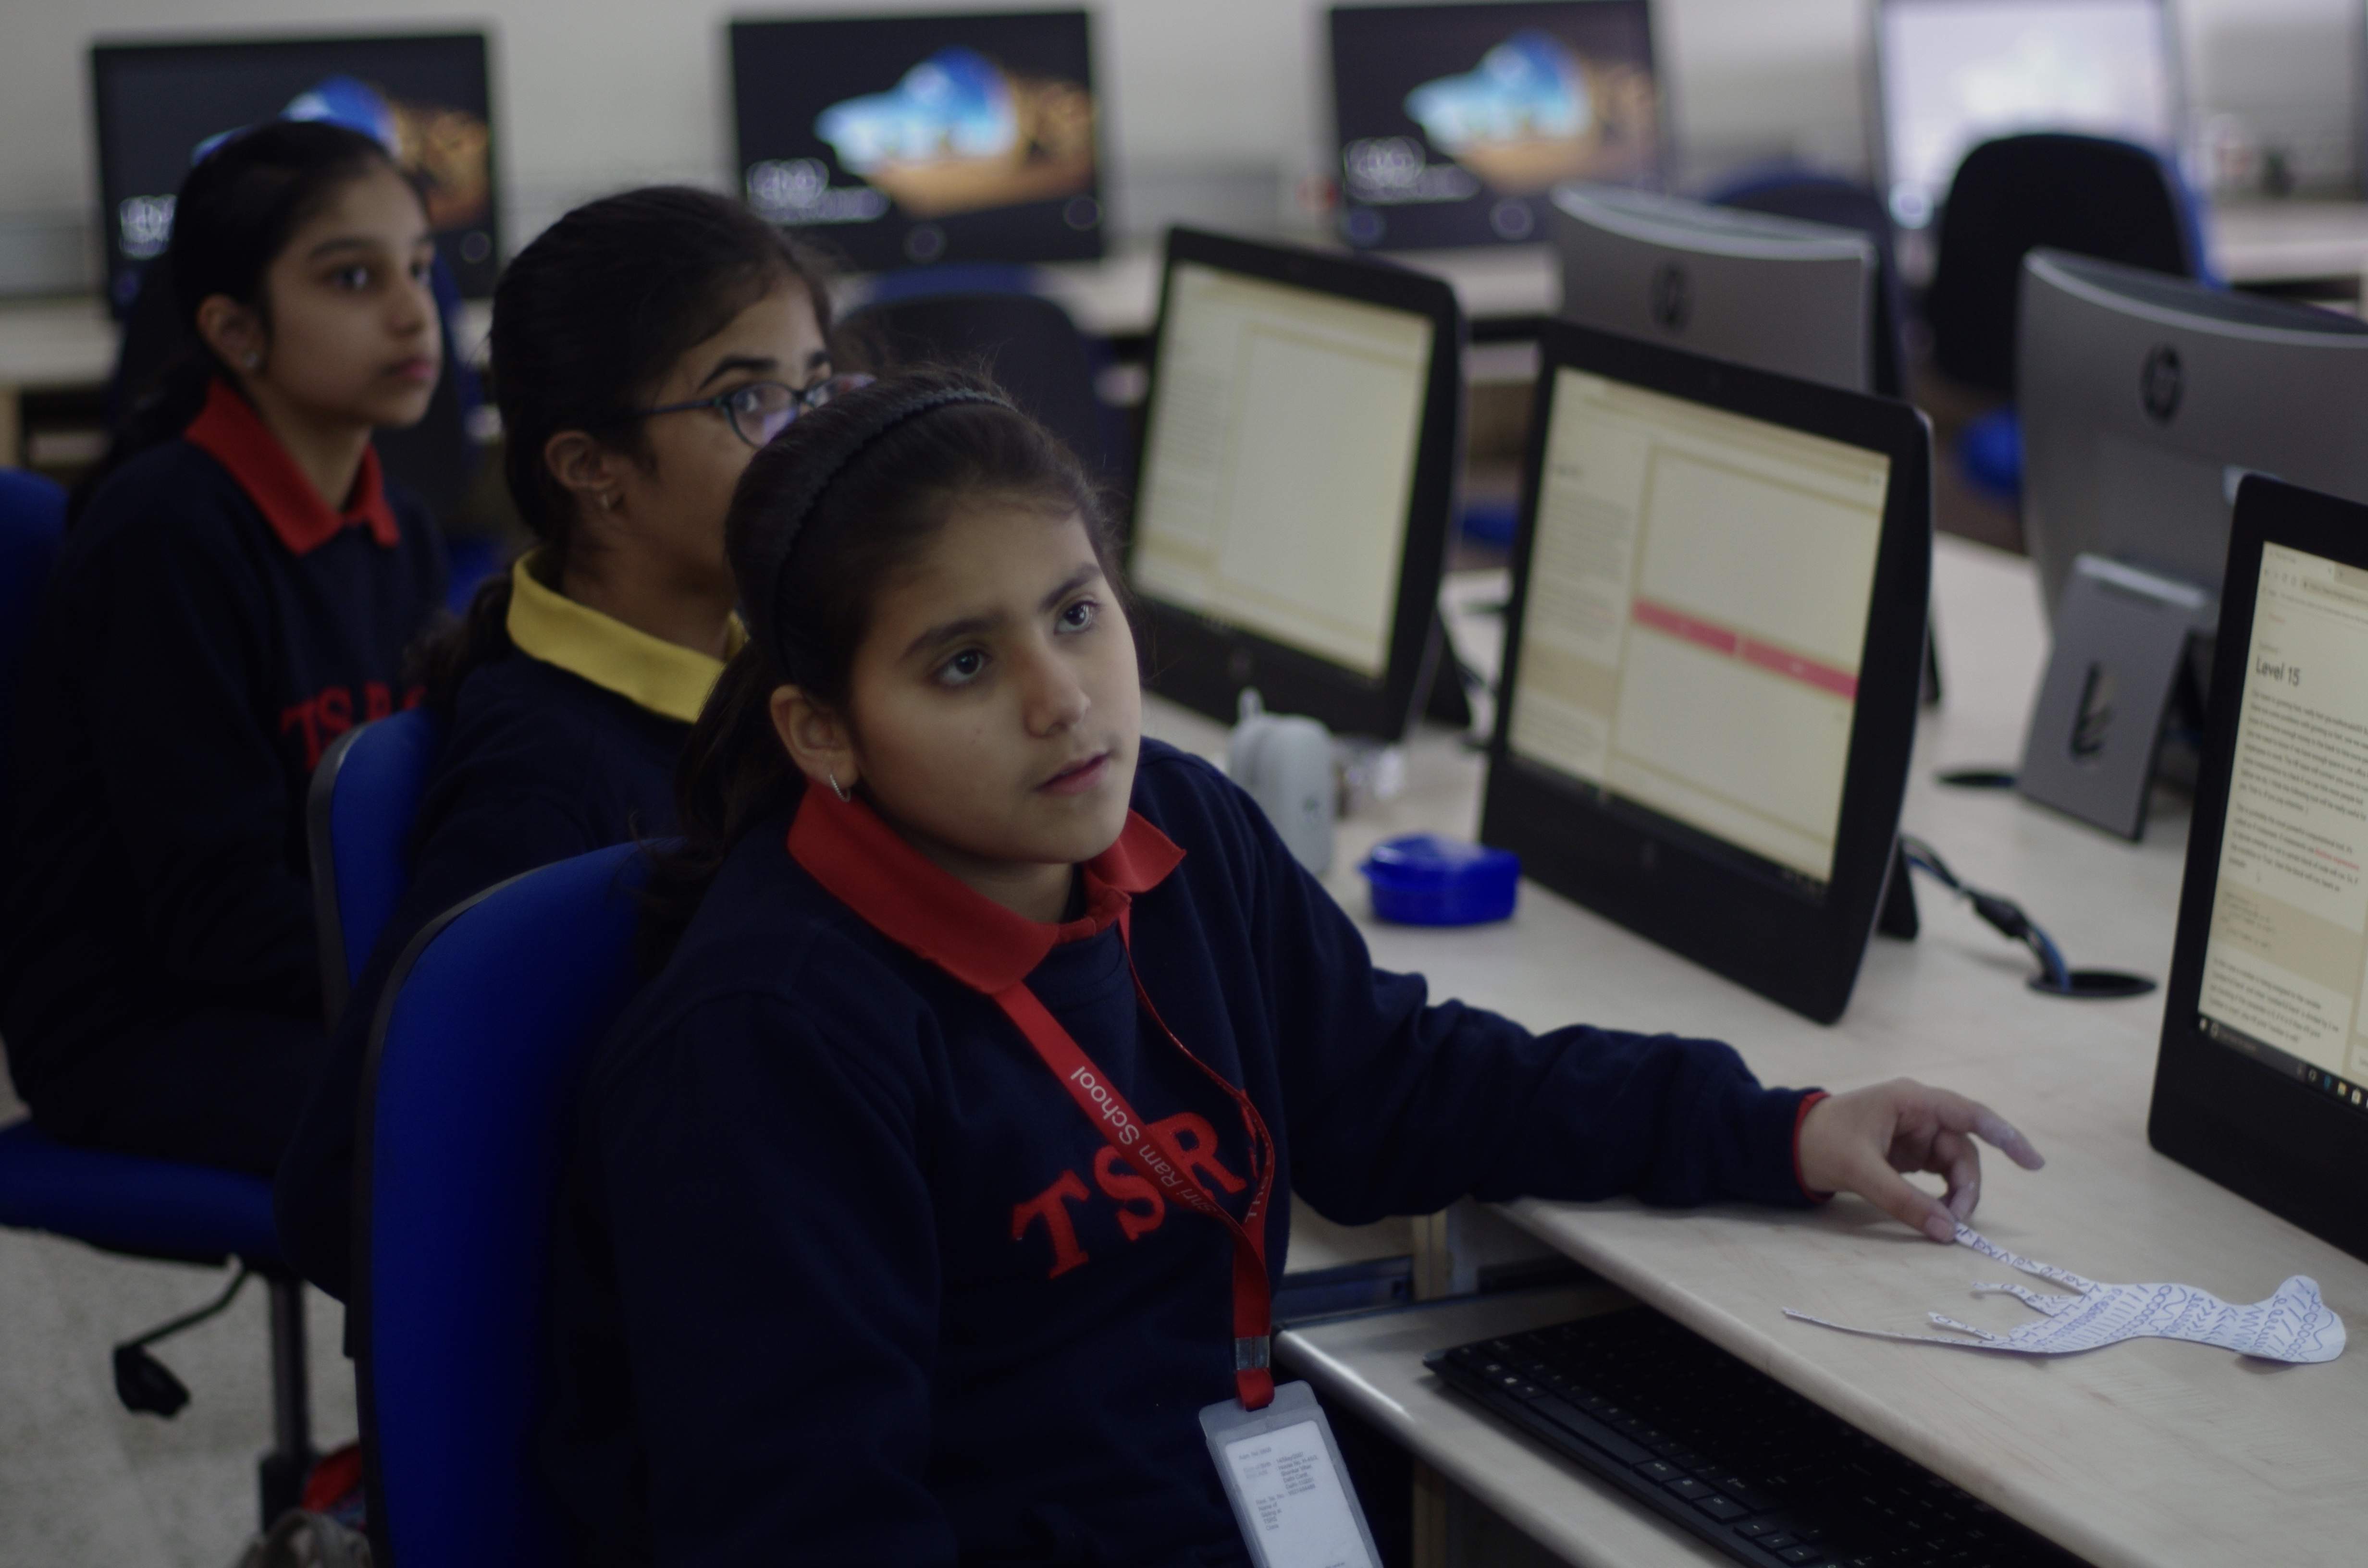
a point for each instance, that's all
(358, 812)
(2090, 195)
(32, 520)
(467, 1111)
(161, 1210)
(1026, 343)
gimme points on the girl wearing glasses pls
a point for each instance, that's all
(644, 348)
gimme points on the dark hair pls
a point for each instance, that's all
(824, 514)
(585, 318)
(235, 212)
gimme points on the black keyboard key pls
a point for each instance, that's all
(1752, 1530)
(1779, 1540)
(1658, 1470)
(1596, 1434)
(1803, 1554)
(1721, 1507)
(1753, 1500)
(1689, 1489)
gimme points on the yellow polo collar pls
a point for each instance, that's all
(647, 670)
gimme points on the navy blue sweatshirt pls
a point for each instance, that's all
(211, 627)
(847, 1277)
(565, 744)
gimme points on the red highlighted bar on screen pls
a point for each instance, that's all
(1734, 645)
(1676, 623)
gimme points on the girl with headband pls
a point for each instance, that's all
(942, 1172)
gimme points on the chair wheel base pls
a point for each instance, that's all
(279, 1478)
(147, 1386)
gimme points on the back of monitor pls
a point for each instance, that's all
(1773, 293)
(2144, 399)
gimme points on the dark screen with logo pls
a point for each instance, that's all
(1452, 121)
(425, 95)
(908, 141)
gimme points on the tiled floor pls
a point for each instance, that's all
(84, 1483)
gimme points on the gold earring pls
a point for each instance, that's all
(610, 499)
(835, 787)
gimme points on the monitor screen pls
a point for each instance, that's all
(1452, 121)
(1958, 73)
(905, 141)
(1278, 466)
(2282, 976)
(1699, 586)
(424, 97)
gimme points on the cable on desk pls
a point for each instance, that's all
(2007, 917)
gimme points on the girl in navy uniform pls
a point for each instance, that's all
(644, 348)
(943, 1173)
(236, 591)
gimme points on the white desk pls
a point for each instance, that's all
(1121, 296)
(2149, 1452)
(2270, 242)
(69, 344)
(48, 345)
(2261, 242)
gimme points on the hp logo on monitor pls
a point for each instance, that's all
(1673, 297)
(2162, 384)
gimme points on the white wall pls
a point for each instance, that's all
(597, 94)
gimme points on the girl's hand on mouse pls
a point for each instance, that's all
(1862, 1140)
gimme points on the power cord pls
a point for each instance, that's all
(2008, 918)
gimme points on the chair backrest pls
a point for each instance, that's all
(1026, 342)
(467, 1113)
(358, 814)
(32, 520)
(1822, 199)
(2089, 195)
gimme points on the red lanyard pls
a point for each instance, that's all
(1156, 1156)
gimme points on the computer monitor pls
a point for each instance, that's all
(1711, 657)
(2262, 1079)
(1771, 292)
(1451, 122)
(1301, 436)
(903, 140)
(424, 95)
(1954, 74)
(2144, 399)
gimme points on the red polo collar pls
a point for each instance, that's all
(907, 898)
(239, 439)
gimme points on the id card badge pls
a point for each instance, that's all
(1281, 1471)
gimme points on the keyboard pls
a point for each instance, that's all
(1727, 1452)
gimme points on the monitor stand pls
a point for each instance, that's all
(1896, 917)
(2122, 640)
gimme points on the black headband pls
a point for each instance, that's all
(760, 586)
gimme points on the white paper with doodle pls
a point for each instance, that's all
(2292, 1325)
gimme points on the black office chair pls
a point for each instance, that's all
(433, 458)
(1821, 198)
(2089, 195)
(1026, 343)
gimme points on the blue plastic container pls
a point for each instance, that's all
(1424, 879)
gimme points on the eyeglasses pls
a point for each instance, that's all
(762, 410)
